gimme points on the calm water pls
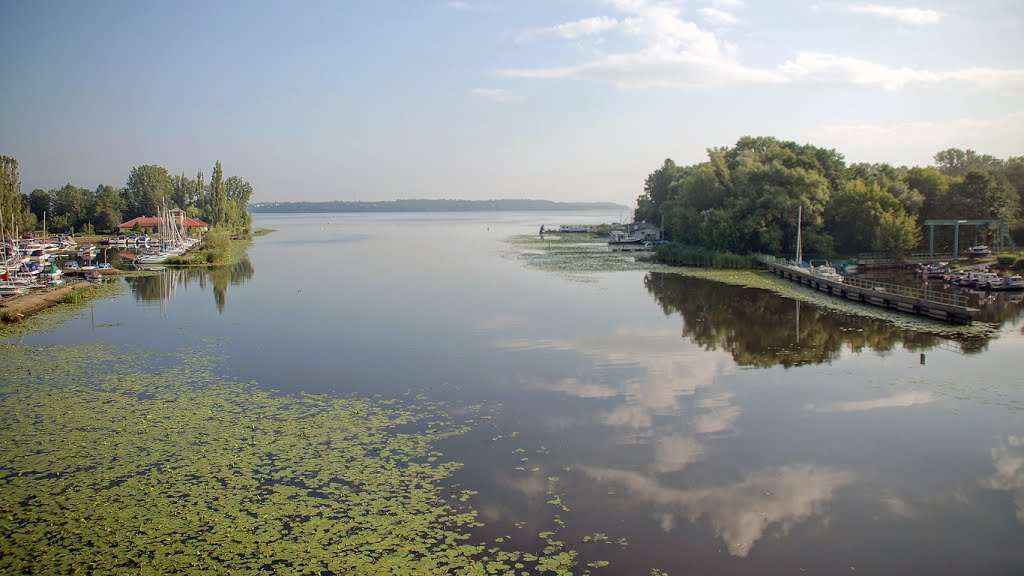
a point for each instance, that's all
(717, 429)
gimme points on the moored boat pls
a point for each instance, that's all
(619, 238)
(51, 273)
(934, 270)
(1010, 283)
(979, 251)
(826, 272)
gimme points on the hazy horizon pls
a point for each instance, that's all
(570, 101)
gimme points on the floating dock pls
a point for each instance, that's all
(938, 305)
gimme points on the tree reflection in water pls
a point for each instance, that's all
(762, 329)
(160, 287)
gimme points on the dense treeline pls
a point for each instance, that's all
(745, 198)
(222, 202)
(432, 206)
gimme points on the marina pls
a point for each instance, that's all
(940, 306)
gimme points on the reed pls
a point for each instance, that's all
(680, 255)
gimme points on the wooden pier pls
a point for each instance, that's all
(939, 305)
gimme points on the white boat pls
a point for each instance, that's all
(934, 270)
(11, 289)
(978, 251)
(153, 256)
(972, 277)
(619, 238)
(987, 281)
(51, 273)
(1007, 283)
(71, 266)
(826, 272)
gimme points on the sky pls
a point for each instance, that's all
(570, 100)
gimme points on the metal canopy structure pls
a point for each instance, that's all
(1004, 236)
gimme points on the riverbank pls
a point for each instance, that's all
(580, 260)
(20, 308)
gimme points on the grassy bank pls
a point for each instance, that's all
(219, 248)
(57, 302)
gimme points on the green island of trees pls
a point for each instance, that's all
(222, 203)
(745, 199)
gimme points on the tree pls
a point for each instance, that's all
(217, 210)
(238, 190)
(39, 201)
(897, 234)
(181, 190)
(72, 203)
(933, 186)
(956, 162)
(855, 212)
(10, 189)
(199, 193)
(147, 188)
(106, 208)
(981, 195)
(656, 189)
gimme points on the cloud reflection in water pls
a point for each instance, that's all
(740, 513)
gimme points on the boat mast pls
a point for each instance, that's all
(799, 245)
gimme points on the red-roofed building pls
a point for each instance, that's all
(150, 223)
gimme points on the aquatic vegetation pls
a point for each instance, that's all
(679, 255)
(574, 258)
(121, 461)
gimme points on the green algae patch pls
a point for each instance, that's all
(574, 258)
(121, 461)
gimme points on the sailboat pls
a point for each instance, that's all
(7, 285)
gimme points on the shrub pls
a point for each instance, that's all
(679, 255)
(1006, 260)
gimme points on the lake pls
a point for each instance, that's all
(693, 426)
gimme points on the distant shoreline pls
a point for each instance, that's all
(433, 206)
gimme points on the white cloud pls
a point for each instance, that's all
(831, 68)
(898, 507)
(673, 453)
(721, 416)
(907, 15)
(578, 389)
(464, 6)
(739, 513)
(574, 30)
(664, 376)
(892, 141)
(904, 400)
(674, 51)
(498, 94)
(1008, 459)
(717, 15)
